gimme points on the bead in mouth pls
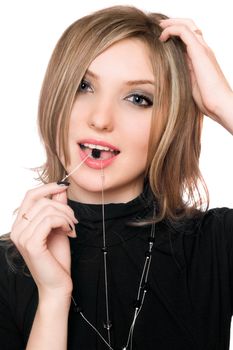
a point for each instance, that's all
(98, 151)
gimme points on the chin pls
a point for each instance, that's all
(86, 192)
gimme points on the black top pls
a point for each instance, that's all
(188, 304)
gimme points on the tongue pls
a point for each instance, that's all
(106, 155)
(103, 154)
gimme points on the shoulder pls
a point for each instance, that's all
(220, 219)
(213, 227)
(18, 299)
(8, 257)
(211, 232)
(212, 219)
(4, 248)
(217, 224)
(220, 213)
(15, 279)
(12, 266)
(205, 239)
(6, 274)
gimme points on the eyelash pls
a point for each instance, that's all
(149, 101)
(83, 82)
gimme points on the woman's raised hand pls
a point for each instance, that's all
(211, 90)
(40, 232)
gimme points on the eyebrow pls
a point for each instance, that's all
(128, 82)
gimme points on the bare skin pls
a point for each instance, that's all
(211, 90)
(42, 237)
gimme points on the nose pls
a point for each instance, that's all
(101, 118)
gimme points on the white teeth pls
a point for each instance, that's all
(101, 148)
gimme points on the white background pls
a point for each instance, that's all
(28, 33)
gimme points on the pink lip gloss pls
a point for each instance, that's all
(96, 162)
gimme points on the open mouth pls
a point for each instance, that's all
(98, 151)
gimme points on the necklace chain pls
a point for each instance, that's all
(105, 252)
(142, 289)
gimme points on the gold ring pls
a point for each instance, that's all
(198, 31)
(24, 216)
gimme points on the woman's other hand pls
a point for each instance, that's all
(211, 90)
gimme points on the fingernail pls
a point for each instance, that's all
(63, 183)
(72, 235)
(161, 38)
(72, 232)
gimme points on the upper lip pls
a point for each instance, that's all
(99, 143)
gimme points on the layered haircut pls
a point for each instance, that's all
(174, 146)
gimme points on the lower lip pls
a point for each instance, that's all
(96, 163)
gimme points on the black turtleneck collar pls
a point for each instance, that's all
(93, 212)
(118, 217)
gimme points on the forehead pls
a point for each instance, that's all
(126, 57)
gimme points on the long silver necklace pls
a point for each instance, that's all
(142, 289)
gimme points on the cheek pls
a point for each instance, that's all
(77, 114)
(75, 126)
(140, 133)
(73, 121)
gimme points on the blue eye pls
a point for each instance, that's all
(84, 86)
(140, 100)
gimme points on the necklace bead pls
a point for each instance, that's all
(148, 254)
(108, 325)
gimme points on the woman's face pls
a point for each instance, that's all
(112, 112)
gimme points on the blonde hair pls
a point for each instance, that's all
(174, 145)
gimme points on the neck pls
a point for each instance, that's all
(122, 194)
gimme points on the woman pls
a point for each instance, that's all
(124, 255)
